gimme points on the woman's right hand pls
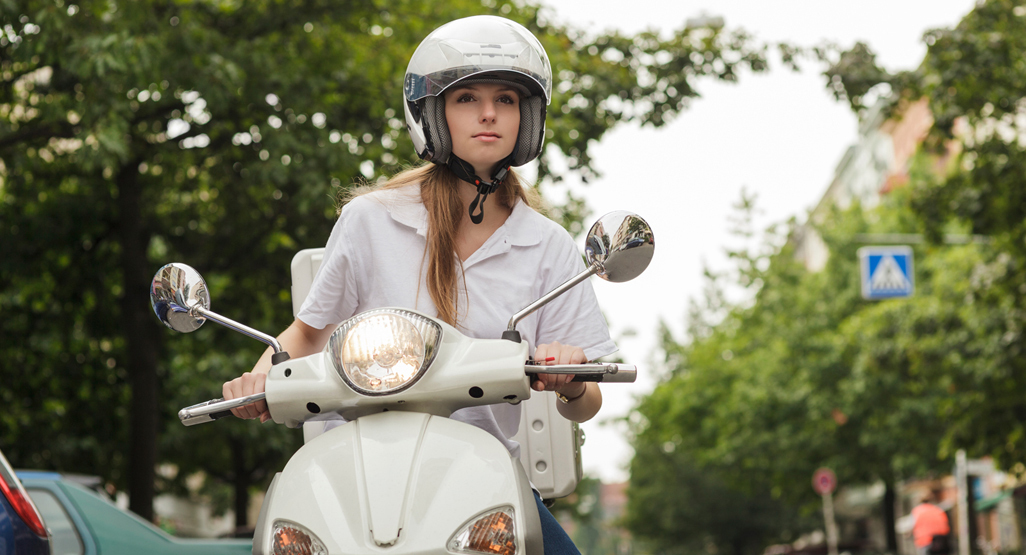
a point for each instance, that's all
(247, 384)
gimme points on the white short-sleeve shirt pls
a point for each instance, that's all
(375, 258)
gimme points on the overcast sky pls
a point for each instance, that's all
(779, 135)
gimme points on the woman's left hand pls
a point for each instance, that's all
(557, 353)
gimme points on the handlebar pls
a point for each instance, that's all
(213, 409)
(608, 372)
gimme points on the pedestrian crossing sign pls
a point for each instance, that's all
(886, 272)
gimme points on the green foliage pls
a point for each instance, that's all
(218, 133)
(974, 77)
(853, 74)
(974, 73)
(709, 513)
(805, 374)
(594, 531)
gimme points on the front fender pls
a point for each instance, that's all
(398, 479)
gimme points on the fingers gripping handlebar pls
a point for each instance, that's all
(213, 409)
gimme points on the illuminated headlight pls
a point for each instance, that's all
(492, 532)
(384, 351)
(290, 538)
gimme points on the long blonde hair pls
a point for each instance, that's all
(439, 193)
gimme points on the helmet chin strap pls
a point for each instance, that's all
(465, 171)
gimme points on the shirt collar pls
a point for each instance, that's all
(406, 207)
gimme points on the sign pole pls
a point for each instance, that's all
(962, 482)
(831, 524)
(824, 481)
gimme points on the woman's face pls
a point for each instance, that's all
(483, 120)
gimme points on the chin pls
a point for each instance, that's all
(488, 161)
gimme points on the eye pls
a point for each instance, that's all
(465, 97)
(507, 99)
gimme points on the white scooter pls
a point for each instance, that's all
(400, 477)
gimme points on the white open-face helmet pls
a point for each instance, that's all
(477, 49)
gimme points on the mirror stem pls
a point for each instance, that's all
(199, 311)
(592, 270)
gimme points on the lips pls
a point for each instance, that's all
(487, 136)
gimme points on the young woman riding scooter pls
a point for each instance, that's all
(459, 237)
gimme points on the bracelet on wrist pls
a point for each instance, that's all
(567, 400)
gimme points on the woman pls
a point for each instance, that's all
(442, 240)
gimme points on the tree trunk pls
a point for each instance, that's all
(889, 499)
(242, 483)
(737, 547)
(141, 343)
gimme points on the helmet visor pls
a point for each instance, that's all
(474, 46)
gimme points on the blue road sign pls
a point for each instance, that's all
(886, 272)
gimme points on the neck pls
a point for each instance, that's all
(493, 211)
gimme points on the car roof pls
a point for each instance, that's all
(37, 475)
(94, 483)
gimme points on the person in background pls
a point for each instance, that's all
(928, 525)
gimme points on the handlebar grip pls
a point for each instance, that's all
(192, 420)
(597, 372)
(623, 375)
(589, 378)
(214, 409)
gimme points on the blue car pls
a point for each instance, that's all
(22, 529)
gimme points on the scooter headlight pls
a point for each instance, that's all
(492, 532)
(384, 351)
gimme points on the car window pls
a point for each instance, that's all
(65, 539)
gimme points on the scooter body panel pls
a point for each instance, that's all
(398, 482)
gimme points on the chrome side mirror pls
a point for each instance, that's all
(621, 245)
(174, 293)
(180, 300)
(618, 248)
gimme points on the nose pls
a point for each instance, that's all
(487, 111)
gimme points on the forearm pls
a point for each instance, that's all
(583, 408)
(299, 340)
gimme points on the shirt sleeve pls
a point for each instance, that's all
(333, 296)
(575, 317)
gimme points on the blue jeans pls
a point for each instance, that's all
(553, 536)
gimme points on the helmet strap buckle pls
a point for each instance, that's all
(484, 188)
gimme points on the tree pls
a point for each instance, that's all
(973, 77)
(134, 133)
(807, 374)
(804, 373)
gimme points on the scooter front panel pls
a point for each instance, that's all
(454, 473)
(459, 476)
(318, 489)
